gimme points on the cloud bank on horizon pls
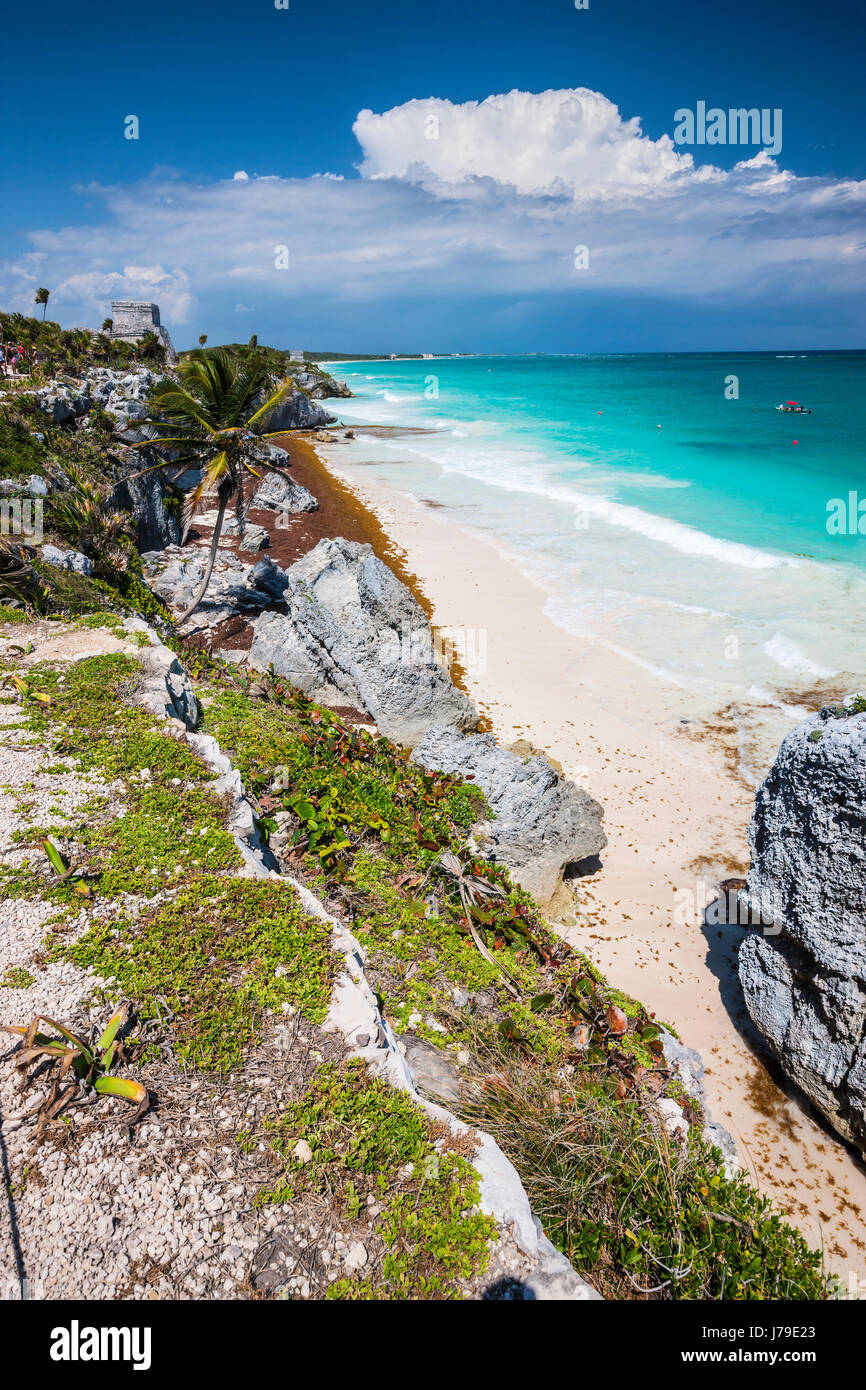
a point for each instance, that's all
(482, 199)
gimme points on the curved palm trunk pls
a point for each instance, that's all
(210, 561)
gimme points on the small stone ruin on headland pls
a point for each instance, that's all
(132, 319)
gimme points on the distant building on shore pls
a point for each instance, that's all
(296, 355)
(131, 319)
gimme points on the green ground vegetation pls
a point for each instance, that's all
(369, 1144)
(173, 927)
(70, 350)
(563, 1069)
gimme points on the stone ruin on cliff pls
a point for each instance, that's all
(132, 319)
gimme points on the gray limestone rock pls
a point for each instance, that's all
(543, 823)
(281, 494)
(432, 1070)
(269, 578)
(804, 974)
(62, 402)
(176, 574)
(65, 559)
(254, 538)
(146, 496)
(296, 412)
(689, 1065)
(353, 634)
(319, 384)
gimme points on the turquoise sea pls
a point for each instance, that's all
(669, 513)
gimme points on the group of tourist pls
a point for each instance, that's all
(14, 359)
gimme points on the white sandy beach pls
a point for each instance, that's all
(676, 815)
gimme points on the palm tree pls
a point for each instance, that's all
(202, 339)
(149, 348)
(107, 325)
(212, 417)
(41, 297)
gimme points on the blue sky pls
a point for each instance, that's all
(435, 244)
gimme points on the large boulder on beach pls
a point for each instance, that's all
(269, 578)
(254, 538)
(803, 969)
(296, 412)
(354, 635)
(280, 494)
(543, 823)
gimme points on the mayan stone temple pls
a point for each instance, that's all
(131, 319)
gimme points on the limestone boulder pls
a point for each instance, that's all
(281, 494)
(353, 634)
(542, 824)
(803, 965)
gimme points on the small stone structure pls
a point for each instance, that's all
(131, 319)
(296, 355)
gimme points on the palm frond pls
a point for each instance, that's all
(272, 401)
(191, 505)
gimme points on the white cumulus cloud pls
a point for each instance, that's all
(573, 140)
(491, 210)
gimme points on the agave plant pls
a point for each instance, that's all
(66, 873)
(212, 418)
(81, 516)
(84, 1062)
(19, 582)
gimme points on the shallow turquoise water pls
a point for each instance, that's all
(633, 427)
(683, 530)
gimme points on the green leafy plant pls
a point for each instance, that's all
(78, 1062)
(150, 349)
(59, 349)
(19, 580)
(473, 890)
(81, 516)
(65, 873)
(26, 690)
(16, 977)
(368, 1141)
(640, 1213)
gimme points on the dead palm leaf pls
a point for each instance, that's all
(472, 889)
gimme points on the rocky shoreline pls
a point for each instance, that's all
(330, 652)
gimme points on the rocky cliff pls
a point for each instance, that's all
(354, 635)
(311, 937)
(541, 823)
(803, 968)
